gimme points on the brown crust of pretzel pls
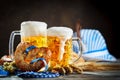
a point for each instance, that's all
(20, 57)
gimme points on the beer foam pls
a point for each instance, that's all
(33, 28)
(60, 32)
(65, 33)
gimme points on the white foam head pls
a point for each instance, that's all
(33, 28)
(60, 32)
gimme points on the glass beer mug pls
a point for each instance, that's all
(59, 40)
(31, 31)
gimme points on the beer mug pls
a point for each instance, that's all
(59, 40)
(31, 31)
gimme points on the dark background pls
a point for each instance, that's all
(95, 14)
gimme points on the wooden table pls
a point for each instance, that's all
(102, 75)
(98, 75)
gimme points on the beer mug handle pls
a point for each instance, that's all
(11, 43)
(80, 47)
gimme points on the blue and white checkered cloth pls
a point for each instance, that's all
(95, 45)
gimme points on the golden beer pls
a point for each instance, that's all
(39, 41)
(54, 46)
(60, 44)
(34, 32)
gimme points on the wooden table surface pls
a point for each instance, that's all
(98, 75)
(102, 75)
